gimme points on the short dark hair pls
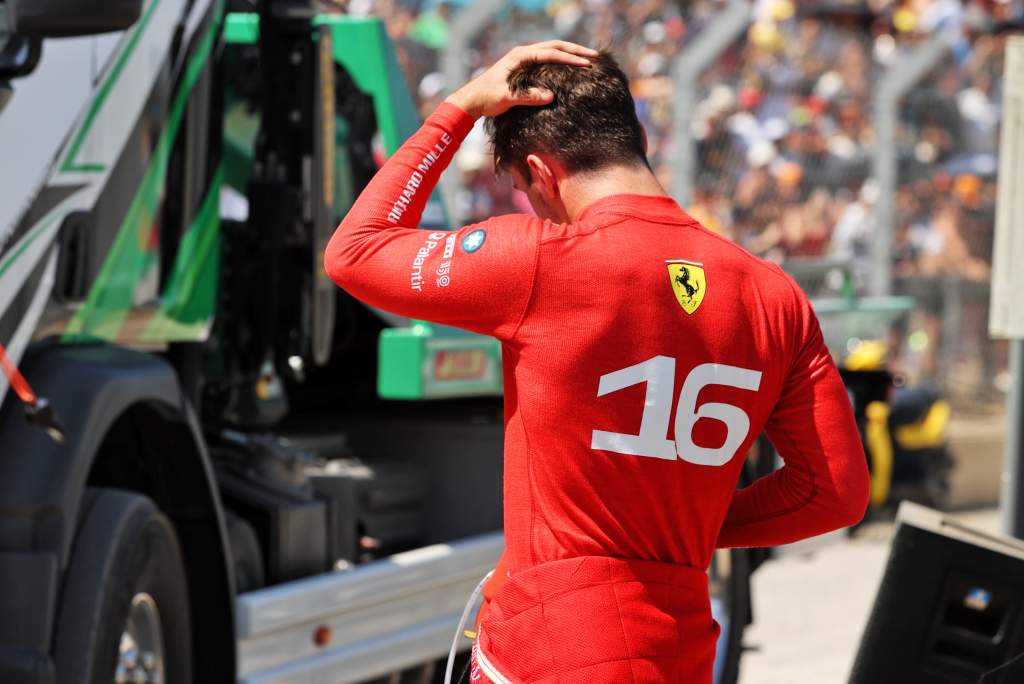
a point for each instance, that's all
(590, 124)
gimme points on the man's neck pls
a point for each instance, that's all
(579, 191)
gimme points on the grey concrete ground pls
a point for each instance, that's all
(811, 604)
(976, 440)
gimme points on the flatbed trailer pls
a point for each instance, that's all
(387, 616)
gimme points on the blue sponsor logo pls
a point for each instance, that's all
(474, 241)
(978, 599)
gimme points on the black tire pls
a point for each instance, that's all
(124, 546)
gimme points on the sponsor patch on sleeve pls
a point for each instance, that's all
(474, 241)
(444, 269)
(416, 273)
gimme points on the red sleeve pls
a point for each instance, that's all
(479, 277)
(824, 483)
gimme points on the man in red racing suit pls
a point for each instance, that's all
(642, 355)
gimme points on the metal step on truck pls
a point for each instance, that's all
(215, 465)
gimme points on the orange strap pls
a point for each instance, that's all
(17, 380)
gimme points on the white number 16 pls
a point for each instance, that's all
(659, 374)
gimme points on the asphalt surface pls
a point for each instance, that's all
(811, 604)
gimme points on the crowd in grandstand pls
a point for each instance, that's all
(784, 127)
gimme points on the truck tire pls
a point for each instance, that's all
(124, 611)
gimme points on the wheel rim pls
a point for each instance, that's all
(140, 658)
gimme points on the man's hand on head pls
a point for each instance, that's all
(488, 94)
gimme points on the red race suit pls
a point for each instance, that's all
(642, 356)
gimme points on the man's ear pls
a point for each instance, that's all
(544, 173)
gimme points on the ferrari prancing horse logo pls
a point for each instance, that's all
(688, 283)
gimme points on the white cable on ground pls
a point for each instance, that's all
(462, 625)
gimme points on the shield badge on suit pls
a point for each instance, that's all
(689, 283)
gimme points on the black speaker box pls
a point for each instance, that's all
(950, 607)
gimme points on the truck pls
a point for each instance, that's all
(231, 470)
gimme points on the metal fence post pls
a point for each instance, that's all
(1011, 490)
(897, 80)
(464, 27)
(686, 69)
(1006, 319)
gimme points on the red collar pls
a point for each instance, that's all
(656, 207)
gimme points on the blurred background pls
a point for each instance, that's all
(856, 144)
